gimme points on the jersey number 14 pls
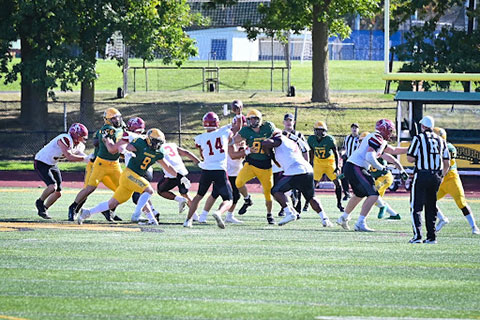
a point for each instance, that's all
(218, 146)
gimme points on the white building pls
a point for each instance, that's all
(229, 44)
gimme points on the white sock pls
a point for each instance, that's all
(99, 208)
(142, 201)
(361, 219)
(229, 214)
(179, 199)
(471, 220)
(321, 215)
(247, 197)
(204, 213)
(380, 203)
(440, 215)
(346, 215)
(391, 211)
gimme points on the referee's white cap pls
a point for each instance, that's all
(428, 122)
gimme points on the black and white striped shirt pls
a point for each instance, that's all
(429, 150)
(350, 144)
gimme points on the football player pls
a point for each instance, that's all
(134, 129)
(236, 155)
(298, 174)
(372, 147)
(324, 155)
(452, 185)
(173, 154)
(68, 146)
(106, 164)
(213, 145)
(383, 180)
(147, 151)
(257, 163)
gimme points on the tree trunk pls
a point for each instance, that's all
(320, 83)
(87, 103)
(34, 106)
(87, 94)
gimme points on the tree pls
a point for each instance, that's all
(431, 49)
(150, 28)
(323, 17)
(45, 60)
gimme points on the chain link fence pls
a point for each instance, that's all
(180, 122)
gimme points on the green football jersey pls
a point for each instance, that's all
(376, 173)
(144, 158)
(324, 148)
(113, 133)
(453, 154)
(254, 139)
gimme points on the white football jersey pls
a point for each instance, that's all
(290, 157)
(299, 139)
(51, 153)
(214, 148)
(170, 151)
(234, 166)
(373, 140)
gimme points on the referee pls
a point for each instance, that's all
(432, 161)
(350, 144)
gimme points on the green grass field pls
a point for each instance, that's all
(251, 271)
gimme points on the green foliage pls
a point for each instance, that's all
(297, 15)
(66, 35)
(430, 50)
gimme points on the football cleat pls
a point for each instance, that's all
(248, 202)
(362, 227)
(305, 207)
(108, 215)
(71, 212)
(396, 217)
(326, 223)
(347, 196)
(287, 219)
(415, 240)
(343, 223)
(187, 223)
(475, 230)
(281, 214)
(182, 205)
(270, 219)
(153, 222)
(117, 218)
(232, 220)
(430, 241)
(195, 217)
(340, 207)
(219, 220)
(441, 223)
(82, 216)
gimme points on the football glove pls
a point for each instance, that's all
(184, 180)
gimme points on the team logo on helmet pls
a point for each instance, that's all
(386, 128)
(136, 125)
(155, 138)
(210, 120)
(78, 132)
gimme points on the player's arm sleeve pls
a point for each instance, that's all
(371, 157)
